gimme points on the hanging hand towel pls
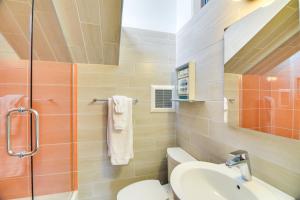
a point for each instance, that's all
(120, 142)
(119, 103)
(120, 112)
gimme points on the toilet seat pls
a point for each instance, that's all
(146, 190)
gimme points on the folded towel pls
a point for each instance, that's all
(120, 112)
(120, 142)
(120, 103)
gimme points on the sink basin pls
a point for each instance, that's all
(202, 180)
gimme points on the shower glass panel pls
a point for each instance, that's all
(36, 72)
(15, 172)
(52, 96)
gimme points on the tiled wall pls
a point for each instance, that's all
(270, 103)
(232, 87)
(52, 94)
(200, 127)
(14, 173)
(146, 58)
(91, 28)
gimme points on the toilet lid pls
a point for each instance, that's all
(146, 190)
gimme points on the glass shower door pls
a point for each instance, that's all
(36, 77)
(54, 166)
(15, 172)
(15, 92)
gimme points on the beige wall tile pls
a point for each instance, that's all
(91, 29)
(111, 20)
(111, 53)
(201, 40)
(150, 168)
(93, 42)
(53, 34)
(89, 11)
(153, 132)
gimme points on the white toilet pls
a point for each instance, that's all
(152, 189)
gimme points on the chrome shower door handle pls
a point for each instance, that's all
(8, 132)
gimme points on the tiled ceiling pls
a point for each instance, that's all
(271, 64)
(78, 31)
(271, 38)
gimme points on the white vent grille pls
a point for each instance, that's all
(161, 98)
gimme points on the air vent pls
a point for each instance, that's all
(161, 98)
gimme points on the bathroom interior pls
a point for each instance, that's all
(149, 100)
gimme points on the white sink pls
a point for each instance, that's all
(201, 180)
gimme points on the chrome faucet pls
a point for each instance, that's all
(241, 160)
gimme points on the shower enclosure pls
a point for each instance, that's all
(37, 104)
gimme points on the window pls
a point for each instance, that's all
(203, 2)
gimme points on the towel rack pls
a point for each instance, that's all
(135, 101)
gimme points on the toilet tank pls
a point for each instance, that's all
(175, 157)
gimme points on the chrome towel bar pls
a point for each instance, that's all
(135, 101)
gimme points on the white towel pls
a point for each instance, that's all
(225, 110)
(120, 142)
(120, 112)
(120, 102)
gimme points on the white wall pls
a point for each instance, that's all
(196, 6)
(156, 15)
(185, 10)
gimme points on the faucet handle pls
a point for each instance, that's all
(242, 154)
(241, 159)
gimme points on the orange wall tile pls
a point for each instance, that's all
(54, 167)
(273, 105)
(250, 82)
(250, 118)
(52, 183)
(14, 172)
(250, 99)
(15, 188)
(74, 127)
